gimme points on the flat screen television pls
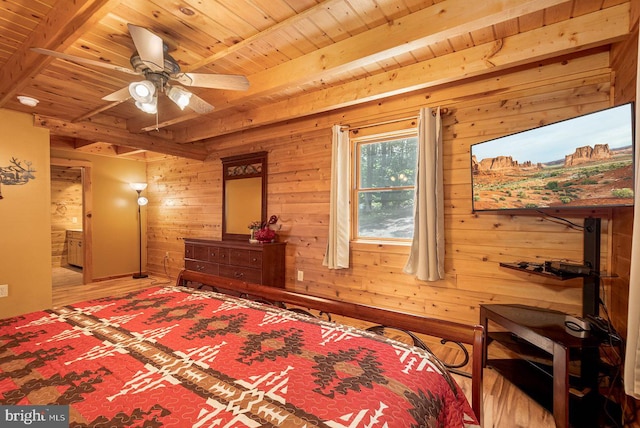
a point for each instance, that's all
(582, 162)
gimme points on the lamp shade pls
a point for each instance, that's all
(142, 201)
(150, 107)
(179, 95)
(142, 91)
(138, 186)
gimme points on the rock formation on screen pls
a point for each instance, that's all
(586, 154)
(499, 163)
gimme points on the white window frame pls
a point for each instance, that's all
(356, 145)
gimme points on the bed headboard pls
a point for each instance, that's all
(472, 335)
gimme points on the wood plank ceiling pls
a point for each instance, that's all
(301, 57)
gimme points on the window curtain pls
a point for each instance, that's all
(426, 259)
(337, 255)
(632, 353)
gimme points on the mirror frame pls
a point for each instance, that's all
(249, 165)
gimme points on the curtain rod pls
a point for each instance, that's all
(378, 123)
(355, 128)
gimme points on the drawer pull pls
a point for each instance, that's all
(239, 274)
(254, 260)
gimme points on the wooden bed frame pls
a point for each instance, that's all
(472, 335)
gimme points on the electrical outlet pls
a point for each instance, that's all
(4, 290)
(300, 275)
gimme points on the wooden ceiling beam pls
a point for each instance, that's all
(58, 30)
(117, 136)
(126, 151)
(134, 124)
(62, 142)
(78, 143)
(99, 110)
(249, 40)
(445, 20)
(585, 32)
(449, 19)
(592, 69)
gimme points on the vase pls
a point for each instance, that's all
(265, 235)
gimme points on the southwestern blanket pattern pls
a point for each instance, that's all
(178, 357)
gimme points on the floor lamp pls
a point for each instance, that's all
(139, 187)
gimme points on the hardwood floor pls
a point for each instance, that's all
(71, 293)
(505, 406)
(66, 275)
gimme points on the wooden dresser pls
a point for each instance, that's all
(256, 263)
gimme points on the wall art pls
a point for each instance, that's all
(18, 172)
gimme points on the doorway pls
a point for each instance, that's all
(71, 235)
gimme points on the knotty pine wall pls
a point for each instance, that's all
(625, 62)
(185, 197)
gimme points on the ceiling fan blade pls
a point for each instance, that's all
(199, 105)
(150, 47)
(119, 95)
(79, 60)
(214, 81)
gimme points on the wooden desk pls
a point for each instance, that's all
(538, 335)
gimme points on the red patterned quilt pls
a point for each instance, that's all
(177, 357)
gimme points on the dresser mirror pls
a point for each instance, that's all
(244, 194)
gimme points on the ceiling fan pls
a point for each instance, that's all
(152, 61)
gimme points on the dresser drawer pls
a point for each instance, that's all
(219, 255)
(243, 274)
(188, 251)
(200, 266)
(201, 252)
(245, 258)
(223, 256)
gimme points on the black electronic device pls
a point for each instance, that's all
(577, 327)
(560, 267)
(603, 329)
(528, 266)
(576, 324)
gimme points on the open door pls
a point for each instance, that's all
(87, 198)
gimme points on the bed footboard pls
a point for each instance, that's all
(472, 335)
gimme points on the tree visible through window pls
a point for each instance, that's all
(384, 182)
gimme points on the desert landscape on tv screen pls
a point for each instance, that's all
(583, 162)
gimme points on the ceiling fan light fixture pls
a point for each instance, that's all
(150, 107)
(180, 96)
(143, 91)
(152, 60)
(28, 101)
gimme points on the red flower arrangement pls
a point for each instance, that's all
(266, 233)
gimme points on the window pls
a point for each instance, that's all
(384, 185)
